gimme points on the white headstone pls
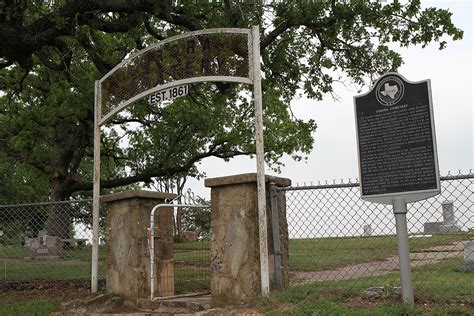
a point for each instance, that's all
(449, 223)
(448, 213)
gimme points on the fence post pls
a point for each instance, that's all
(276, 235)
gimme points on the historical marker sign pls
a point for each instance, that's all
(396, 141)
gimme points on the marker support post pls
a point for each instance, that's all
(400, 211)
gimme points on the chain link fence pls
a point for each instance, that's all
(47, 244)
(334, 236)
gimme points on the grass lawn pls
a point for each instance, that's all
(195, 280)
(15, 269)
(440, 289)
(74, 264)
(38, 302)
(330, 253)
(305, 255)
(35, 307)
(192, 245)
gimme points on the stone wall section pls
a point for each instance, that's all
(235, 263)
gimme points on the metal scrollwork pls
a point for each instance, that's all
(186, 198)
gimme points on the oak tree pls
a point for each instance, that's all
(52, 51)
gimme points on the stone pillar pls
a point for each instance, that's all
(235, 257)
(128, 257)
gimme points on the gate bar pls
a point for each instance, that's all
(151, 242)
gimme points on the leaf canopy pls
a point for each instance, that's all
(52, 52)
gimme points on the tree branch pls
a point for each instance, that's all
(6, 64)
(280, 29)
(101, 64)
(48, 63)
(120, 25)
(151, 30)
(145, 176)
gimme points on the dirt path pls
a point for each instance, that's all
(389, 265)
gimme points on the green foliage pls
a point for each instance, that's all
(46, 107)
(20, 182)
(197, 219)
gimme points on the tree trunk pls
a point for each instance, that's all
(59, 221)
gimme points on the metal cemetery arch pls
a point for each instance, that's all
(200, 56)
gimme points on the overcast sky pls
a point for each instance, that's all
(335, 156)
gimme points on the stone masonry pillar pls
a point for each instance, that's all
(128, 257)
(235, 257)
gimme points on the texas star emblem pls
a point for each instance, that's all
(389, 90)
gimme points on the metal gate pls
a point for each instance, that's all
(189, 271)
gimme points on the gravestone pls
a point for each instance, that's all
(45, 247)
(469, 256)
(432, 227)
(449, 223)
(26, 242)
(367, 230)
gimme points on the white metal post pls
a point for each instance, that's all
(96, 190)
(400, 211)
(261, 200)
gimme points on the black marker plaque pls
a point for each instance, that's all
(397, 150)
